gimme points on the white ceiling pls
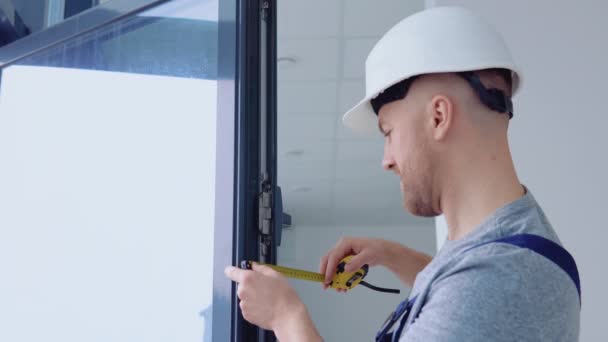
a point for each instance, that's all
(328, 174)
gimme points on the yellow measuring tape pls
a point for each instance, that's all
(341, 280)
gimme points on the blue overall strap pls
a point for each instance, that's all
(549, 250)
(397, 334)
(400, 314)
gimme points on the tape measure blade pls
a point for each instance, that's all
(298, 274)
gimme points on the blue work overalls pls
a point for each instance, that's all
(538, 244)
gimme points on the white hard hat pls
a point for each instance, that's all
(411, 48)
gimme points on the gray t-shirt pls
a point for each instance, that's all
(496, 292)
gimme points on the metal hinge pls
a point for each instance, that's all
(265, 9)
(265, 216)
(265, 211)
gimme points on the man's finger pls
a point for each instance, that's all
(235, 274)
(323, 267)
(332, 264)
(323, 263)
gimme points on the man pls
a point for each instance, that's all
(439, 86)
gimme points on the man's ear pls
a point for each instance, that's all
(441, 115)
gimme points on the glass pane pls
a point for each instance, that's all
(332, 180)
(107, 189)
(21, 18)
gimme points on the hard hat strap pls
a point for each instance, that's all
(493, 98)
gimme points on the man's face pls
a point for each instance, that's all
(407, 152)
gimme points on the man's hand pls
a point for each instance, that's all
(365, 251)
(268, 301)
(403, 261)
(266, 296)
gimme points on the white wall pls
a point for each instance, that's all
(358, 314)
(441, 231)
(558, 135)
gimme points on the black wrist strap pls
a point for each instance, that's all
(379, 289)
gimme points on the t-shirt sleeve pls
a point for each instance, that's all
(498, 293)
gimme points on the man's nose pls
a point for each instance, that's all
(388, 163)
